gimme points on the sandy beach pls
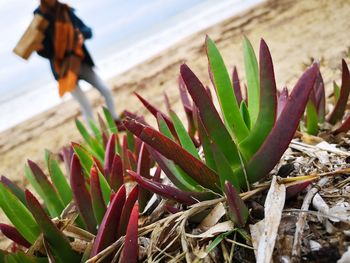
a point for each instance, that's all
(296, 31)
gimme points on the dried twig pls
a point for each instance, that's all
(302, 219)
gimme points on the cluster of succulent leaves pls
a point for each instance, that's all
(240, 146)
(315, 114)
(101, 209)
(221, 152)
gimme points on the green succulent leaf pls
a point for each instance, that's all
(245, 113)
(179, 177)
(16, 211)
(265, 159)
(267, 109)
(93, 143)
(84, 157)
(211, 120)
(252, 76)
(110, 121)
(59, 243)
(311, 119)
(50, 196)
(59, 180)
(224, 169)
(226, 95)
(185, 139)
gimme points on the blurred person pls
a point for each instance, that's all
(69, 58)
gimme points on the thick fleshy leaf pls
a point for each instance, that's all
(282, 133)
(267, 106)
(97, 132)
(282, 100)
(293, 190)
(110, 122)
(98, 203)
(166, 191)
(175, 174)
(339, 108)
(131, 248)
(224, 169)
(206, 144)
(345, 126)
(50, 196)
(311, 119)
(16, 211)
(109, 155)
(226, 95)
(81, 195)
(107, 232)
(157, 174)
(236, 86)
(84, 157)
(209, 116)
(336, 91)
(184, 137)
(178, 177)
(171, 150)
(320, 95)
(188, 107)
(116, 179)
(143, 169)
(59, 244)
(252, 76)
(245, 113)
(237, 210)
(132, 160)
(127, 208)
(59, 180)
(93, 143)
(152, 109)
(13, 234)
(18, 192)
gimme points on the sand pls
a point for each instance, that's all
(296, 31)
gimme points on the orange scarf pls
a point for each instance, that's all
(68, 48)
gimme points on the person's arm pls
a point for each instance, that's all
(79, 24)
(46, 48)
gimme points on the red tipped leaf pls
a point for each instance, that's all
(280, 136)
(13, 234)
(236, 86)
(210, 117)
(340, 106)
(171, 150)
(267, 105)
(52, 199)
(128, 205)
(116, 179)
(81, 195)
(152, 109)
(107, 232)
(282, 100)
(165, 190)
(237, 210)
(98, 204)
(109, 155)
(131, 248)
(59, 243)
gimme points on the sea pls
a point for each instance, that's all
(125, 33)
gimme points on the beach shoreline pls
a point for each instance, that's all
(296, 31)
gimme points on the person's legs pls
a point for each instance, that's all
(85, 106)
(88, 74)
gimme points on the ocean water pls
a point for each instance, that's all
(125, 34)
